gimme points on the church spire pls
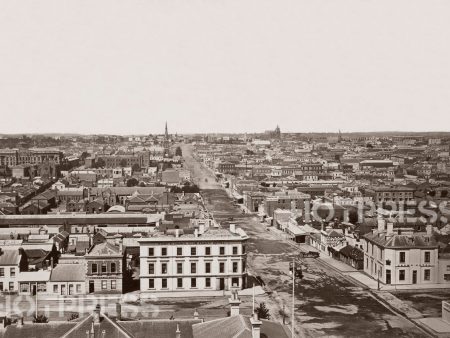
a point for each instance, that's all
(166, 131)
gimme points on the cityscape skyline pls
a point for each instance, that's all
(224, 67)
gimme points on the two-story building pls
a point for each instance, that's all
(400, 256)
(105, 264)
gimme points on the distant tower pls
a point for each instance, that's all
(340, 136)
(166, 141)
(277, 132)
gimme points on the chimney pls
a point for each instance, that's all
(51, 263)
(390, 228)
(381, 224)
(195, 314)
(196, 232)
(178, 332)
(233, 228)
(234, 302)
(177, 233)
(96, 314)
(256, 326)
(429, 229)
(201, 228)
(118, 311)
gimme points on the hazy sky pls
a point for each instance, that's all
(232, 65)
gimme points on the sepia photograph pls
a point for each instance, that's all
(224, 169)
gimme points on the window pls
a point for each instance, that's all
(427, 257)
(208, 282)
(163, 251)
(151, 283)
(113, 267)
(235, 250)
(113, 285)
(2, 272)
(12, 272)
(208, 251)
(401, 275)
(402, 257)
(193, 282)
(55, 288)
(222, 267)
(235, 281)
(179, 267)
(151, 269)
(207, 267)
(179, 251)
(23, 287)
(427, 274)
(447, 277)
(179, 282)
(104, 268)
(151, 251)
(104, 284)
(235, 267)
(78, 288)
(164, 283)
(164, 268)
(193, 251)
(448, 267)
(222, 250)
(193, 268)
(94, 268)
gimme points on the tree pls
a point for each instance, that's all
(84, 155)
(132, 182)
(262, 311)
(136, 167)
(40, 319)
(123, 163)
(178, 152)
(99, 163)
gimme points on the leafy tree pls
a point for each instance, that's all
(262, 311)
(178, 152)
(84, 155)
(73, 316)
(136, 167)
(132, 182)
(99, 163)
(40, 319)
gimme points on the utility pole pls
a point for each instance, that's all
(293, 297)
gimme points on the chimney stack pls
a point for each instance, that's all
(96, 314)
(256, 326)
(177, 233)
(429, 229)
(233, 228)
(195, 314)
(234, 302)
(381, 224)
(118, 311)
(196, 232)
(390, 228)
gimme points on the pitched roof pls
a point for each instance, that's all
(395, 240)
(68, 273)
(9, 257)
(49, 330)
(104, 249)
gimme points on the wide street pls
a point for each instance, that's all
(326, 303)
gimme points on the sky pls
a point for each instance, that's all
(126, 67)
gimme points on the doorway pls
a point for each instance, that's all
(221, 284)
(414, 278)
(388, 277)
(91, 286)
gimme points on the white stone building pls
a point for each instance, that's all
(203, 259)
